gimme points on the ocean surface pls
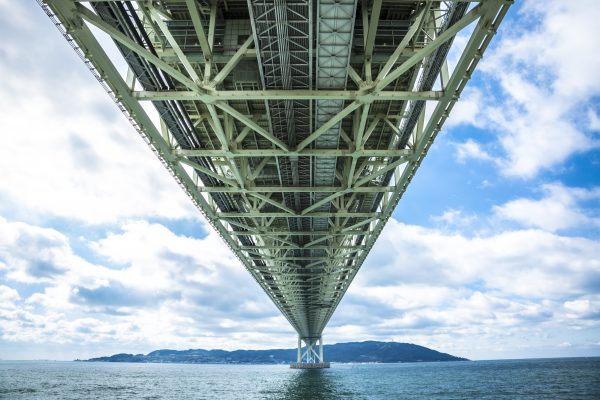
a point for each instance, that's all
(574, 378)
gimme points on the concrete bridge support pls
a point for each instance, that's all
(310, 358)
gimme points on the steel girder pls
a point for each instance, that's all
(295, 138)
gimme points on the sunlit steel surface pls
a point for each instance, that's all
(294, 125)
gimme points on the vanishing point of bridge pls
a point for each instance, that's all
(295, 126)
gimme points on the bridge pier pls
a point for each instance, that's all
(309, 358)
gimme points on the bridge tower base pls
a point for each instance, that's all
(309, 358)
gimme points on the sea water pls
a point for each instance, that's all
(574, 378)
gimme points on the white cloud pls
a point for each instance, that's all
(594, 120)
(8, 296)
(419, 284)
(409, 297)
(572, 53)
(31, 254)
(472, 149)
(467, 110)
(588, 307)
(544, 87)
(71, 153)
(536, 135)
(558, 209)
(163, 289)
(527, 263)
(455, 218)
(464, 293)
(578, 306)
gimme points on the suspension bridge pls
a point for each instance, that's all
(295, 126)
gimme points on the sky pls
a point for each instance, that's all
(493, 252)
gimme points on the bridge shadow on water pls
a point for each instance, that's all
(314, 384)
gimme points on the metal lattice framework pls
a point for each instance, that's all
(294, 125)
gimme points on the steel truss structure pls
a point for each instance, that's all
(295, 126)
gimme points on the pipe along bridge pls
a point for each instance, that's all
(295, 126)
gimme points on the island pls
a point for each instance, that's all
(353, 352)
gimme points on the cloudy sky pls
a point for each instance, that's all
(494, 251)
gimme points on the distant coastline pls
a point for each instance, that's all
(353, 352)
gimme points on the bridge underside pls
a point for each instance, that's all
(294, 125)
